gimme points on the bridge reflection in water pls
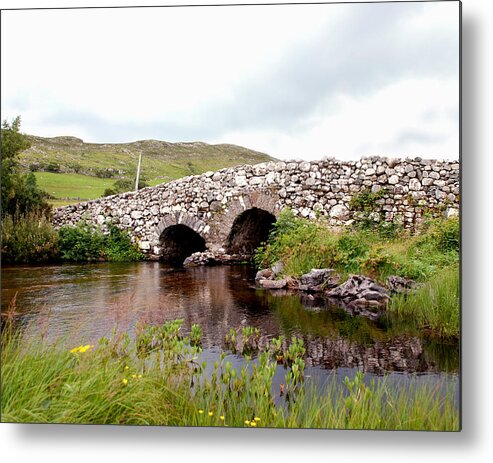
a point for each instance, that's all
(86, 302)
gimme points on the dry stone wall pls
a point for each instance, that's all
(209, 203)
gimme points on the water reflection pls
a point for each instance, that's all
(85, 302)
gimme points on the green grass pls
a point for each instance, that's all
(75, 187)
(434, 306)
(148, 382)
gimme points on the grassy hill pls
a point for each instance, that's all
(71, 170)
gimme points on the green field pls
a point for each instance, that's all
(72, 187)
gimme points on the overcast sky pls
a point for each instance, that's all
(299, 81)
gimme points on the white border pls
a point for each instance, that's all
(87, 444)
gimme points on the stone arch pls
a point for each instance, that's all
(179, 235)
(250, 214)
(177, 242)
(249, 230)
(182, 218)
(266, 201)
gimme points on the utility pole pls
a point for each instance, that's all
(138, 173)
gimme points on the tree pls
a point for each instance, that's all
(20, 193)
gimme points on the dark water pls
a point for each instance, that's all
(86, 302)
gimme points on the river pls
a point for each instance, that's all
(85, 302)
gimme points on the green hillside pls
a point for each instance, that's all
(71, 170)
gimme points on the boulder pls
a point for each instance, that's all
(318, 279)
(360, 287)
(277, 268)
(273, 284)
(397, 284)
(265, 274)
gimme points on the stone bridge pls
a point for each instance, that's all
(233, 209)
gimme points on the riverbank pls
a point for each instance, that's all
(374, 259)
(158, 378)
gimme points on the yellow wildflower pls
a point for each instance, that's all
(221, 417)
(253, 423)
(210, 413)
(85, 348)
(201, 411)
(257, 419)
(75, 349)
(125, 381)
(126, 367)
(247, 422)
(134, 376)
(140, 376)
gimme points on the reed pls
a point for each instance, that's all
(434, 306)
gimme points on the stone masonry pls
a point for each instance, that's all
(209, 203)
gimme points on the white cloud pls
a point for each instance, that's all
(399, 120)
(306, 81)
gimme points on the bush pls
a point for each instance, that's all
(109, 192)
(105, 173)
(28, 239)
(436, 247)
(444, 234)
(119, 248)
(75, 166)
(85, 242)
(81, 243)
(123, 185)
(53, 167)
(368, 214)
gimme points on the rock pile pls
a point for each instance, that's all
(359, 295)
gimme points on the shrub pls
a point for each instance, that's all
(104, 173)
(304, 244)
(85, 242)
(436, 247)
(28, 239)
(368, 214)
(53, 167)
(123, 185)
(81, 243)
(75, 166)
(366, 201)
(444, 234)
(119, 248)
(109, 192)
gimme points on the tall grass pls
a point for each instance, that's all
(158, 379)
(435, 305)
